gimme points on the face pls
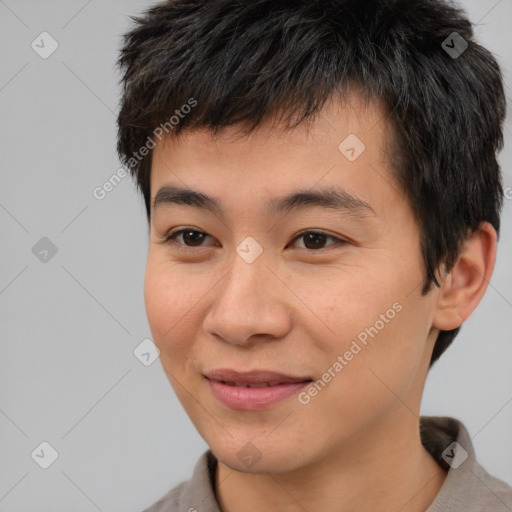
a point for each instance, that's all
(326, 291)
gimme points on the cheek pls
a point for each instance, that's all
(352, 305)
(172, 306)
(379, 328)
(375, 378)
(384, 371)
(170, 297)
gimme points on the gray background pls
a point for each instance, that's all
(69, 326)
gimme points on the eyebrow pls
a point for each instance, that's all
(330, 198)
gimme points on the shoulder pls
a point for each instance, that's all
(473, 490)
(468, 486)
(495, 492)
(194, 494)
(169, 502)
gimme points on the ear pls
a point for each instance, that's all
(465, 285)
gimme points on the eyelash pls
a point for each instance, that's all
(168, 239)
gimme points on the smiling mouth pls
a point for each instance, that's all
(254, 396)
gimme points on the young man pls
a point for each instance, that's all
(323, 197)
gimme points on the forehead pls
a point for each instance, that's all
(345, 142)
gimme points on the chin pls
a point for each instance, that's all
(256, 457)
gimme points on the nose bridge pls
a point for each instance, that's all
(247, 301)
(245, 281)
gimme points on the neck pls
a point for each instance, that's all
(386, 468)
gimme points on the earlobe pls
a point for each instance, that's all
(465, 285)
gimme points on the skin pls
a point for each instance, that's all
(356, 445)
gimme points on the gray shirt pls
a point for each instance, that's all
(467, 487)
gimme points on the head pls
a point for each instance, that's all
(246, 102)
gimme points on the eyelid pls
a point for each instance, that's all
(167, 238)
(321, 232)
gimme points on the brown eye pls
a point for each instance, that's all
(190, 237)
(193, 238)
(314, 240)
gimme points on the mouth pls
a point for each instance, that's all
(253, 391)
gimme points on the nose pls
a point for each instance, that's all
(250, 303)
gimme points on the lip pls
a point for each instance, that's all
(241, 398)
(252, 377)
